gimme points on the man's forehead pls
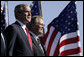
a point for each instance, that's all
(40, 20)
(27, 8)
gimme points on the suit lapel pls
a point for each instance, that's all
(24, 36)
(35, 43)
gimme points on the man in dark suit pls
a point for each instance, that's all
(17, 42)
(36, 27)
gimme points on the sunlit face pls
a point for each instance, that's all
(26, 15)
(39, 26)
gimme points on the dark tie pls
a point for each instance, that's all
(29, 38)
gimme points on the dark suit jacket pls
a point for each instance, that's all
(17, 43)
(37, 50)
(3, 47)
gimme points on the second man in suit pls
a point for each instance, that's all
(36, 27)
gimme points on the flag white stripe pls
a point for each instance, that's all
(48, 38)
(68, 36)
(78, 32)
(69, 46)
(54, 45)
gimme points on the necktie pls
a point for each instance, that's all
(40, 45)
(29, 38)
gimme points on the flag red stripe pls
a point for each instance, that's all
(56, 53)
(69, 41)
(71, 51)
(51, 41)
(43, 39)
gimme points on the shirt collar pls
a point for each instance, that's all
(22, 25)
(36, 37)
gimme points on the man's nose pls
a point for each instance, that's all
(42, 26)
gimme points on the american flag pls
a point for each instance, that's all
(3, 26)
(35, 8)
(3, 22)
(62, 37)
(4, 16)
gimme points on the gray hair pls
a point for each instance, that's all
(34, 18)
(33, 21)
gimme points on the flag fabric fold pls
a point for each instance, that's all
(35, 8)
(4, 16)
(3, 27)
(3, 21)
(62, 37)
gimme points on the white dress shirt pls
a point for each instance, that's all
(37, 39)
(22, 25)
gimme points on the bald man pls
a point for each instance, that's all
(36, 27)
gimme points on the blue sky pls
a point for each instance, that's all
(51, 9)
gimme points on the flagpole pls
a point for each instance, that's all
(6, 10)
(41, 13)
(41, 8)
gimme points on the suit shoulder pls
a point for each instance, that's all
(11, 28)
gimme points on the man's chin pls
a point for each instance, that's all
(28, 21)
(41, 32)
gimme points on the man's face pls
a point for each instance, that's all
(26, 15)
(39, 26)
